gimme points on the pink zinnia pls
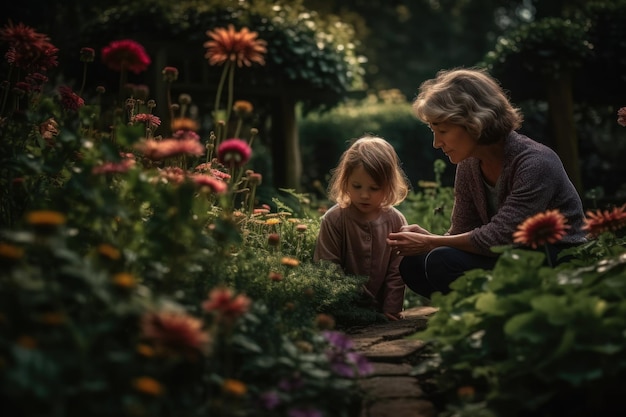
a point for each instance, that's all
(125, 54)
(234, 152)
(150, 119)
(69, 99)
(174, 175)
(215, 185)
(157, 150)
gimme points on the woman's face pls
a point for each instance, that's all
(453, 140)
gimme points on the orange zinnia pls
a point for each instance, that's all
(602, 221)
(241, 47)
(541, 229)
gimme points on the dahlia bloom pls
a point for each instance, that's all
(126, 54)
(149, 119)
(241, 47)
(234, 152)
(541, 229)
(601, 221)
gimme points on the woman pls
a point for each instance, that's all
(502, 178)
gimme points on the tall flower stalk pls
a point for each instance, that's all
(229, 47)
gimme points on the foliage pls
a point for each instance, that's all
(525, 339)
(325, 135)
(140, 275)
(305, 53)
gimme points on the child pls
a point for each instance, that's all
(365, 186)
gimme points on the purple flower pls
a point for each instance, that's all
(343, 360)
(269, 400)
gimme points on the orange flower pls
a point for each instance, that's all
(11, 252)
(541, 229)
(173, 330)
(291, 262)
(148, 386)
(124, 280)
(234, 387)
(602, 221)
(45, 218)
(241, 47)
(243, 108)
(109, 251)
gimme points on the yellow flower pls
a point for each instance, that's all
(272, 221)
(234, 387)
(148, 386)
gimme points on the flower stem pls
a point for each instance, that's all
(548, 257)
(220, 88)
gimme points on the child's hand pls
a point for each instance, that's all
(394, 316)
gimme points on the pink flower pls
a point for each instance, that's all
(174, 175)
(173, 331)
(621, 116)
(150, 119)
(115, 167)
(234, 152)
(69, 99)
(157, 150)
(125, 54)
(216, 186)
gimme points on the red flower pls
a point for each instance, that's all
(174, 331)
(125, 54)
(602, 221)
(241, 47)
(223, 302)
(69, 99)
(234, 152)
(541, 229)
(28, 49)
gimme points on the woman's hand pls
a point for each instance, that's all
(410, 240)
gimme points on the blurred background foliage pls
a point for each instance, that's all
(374, 46)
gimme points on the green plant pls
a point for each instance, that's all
(525, 339)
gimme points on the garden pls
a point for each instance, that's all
(147, 272)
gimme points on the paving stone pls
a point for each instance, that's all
(391, 369)
(363, 342)
(393, 350)
(390, 387)
(404, 407)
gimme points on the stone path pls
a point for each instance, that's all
(391, 391)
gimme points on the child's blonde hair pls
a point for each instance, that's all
(380, 161)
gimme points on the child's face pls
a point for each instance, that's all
(365, 194)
